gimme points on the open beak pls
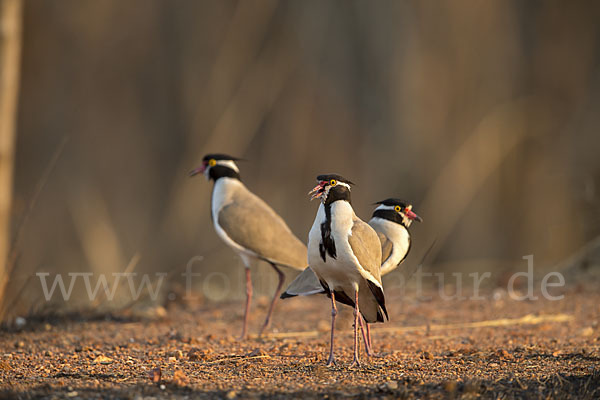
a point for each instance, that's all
(199, 170)
(412, 216)
(317, 191)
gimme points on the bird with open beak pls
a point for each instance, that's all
(344, 253)
(391, 220)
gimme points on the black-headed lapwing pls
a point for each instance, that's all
(391, 220)
(249, 226)
(345, 254)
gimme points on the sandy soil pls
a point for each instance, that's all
(493, 348)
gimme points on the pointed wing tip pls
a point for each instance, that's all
(286, 295)
(380, 316)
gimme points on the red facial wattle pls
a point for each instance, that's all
(199, 170)
(318, 190)
(411, 215)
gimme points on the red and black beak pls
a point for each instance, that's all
(199, 170)
(318, 190)
(411, 215)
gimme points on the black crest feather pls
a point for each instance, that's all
(220, 157)
(339, 178)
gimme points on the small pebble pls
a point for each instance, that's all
(392, 385)
(450, 386)
(20, 322)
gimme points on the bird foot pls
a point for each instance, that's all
(355, 363)
(368, 351)
(330, 362)
(262, 330)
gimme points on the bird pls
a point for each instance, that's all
(345, 254)
(250, 227)
(391, 219)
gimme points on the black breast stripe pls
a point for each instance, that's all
(327, 245)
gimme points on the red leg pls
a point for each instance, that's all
(331, 359)
(275, 297)
(248, 302)
(356, 361)
(365, 336)
(369, 336)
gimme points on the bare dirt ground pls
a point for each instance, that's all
(493, 348)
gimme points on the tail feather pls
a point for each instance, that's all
(378, 293)
(305, 284)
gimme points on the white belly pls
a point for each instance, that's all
(222, 195)
(340, 273)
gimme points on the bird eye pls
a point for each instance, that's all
(398, 208)
(212, 163)
(333, 182)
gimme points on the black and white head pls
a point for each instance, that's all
(396, 210)
(215, 166)
(331, 187)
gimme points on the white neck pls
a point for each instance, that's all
(222, 193)
(400, 238)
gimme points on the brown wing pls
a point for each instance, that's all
(252, 224)
(366, 247)
(386, 246)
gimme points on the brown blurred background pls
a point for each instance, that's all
(483, 114)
